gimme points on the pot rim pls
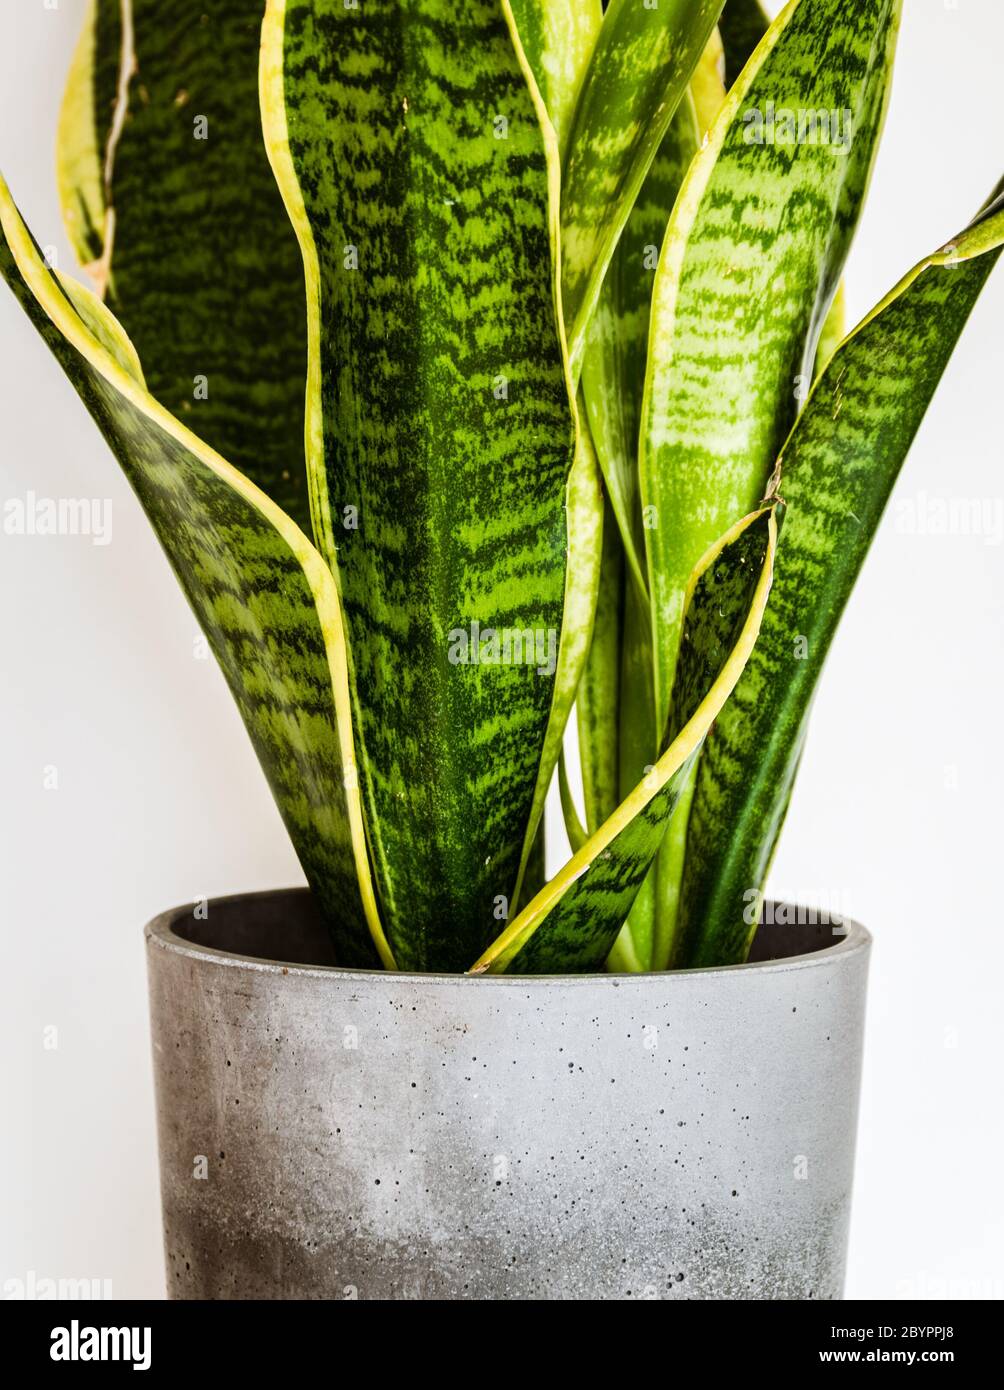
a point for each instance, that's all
(853, 939)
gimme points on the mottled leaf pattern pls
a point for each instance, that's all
(513, 308)
(835, 473)
(263, 596)
(749, 264)
(411, 158)
(203, 269)
(558, 38)
(574, 921)
(642, 63)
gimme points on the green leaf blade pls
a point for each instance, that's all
(750, 262)
(558, 38)
(641, 65)
(572, 925)
(263, 596)
(440, 429)
(835, 473)
(197, 257)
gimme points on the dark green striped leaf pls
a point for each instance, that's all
(411, 158)
(613, 379)
(835, 472)
(554, 84)
(641, 65)
(201, 265)
(265, 599)
(613, 374)
(749, 267)
(573, 922)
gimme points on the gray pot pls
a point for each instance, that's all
(338, 1134)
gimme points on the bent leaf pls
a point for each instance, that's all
(573, 922)
(265, 599)
(835, 472)
(749, 265)
(574, 829)
(643, 60)
(439, 428)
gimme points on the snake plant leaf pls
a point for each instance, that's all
(572, 924)
(264, 597)
(95, 92)
(638, 750)
(613, 373)
(613, 378)
(575, 830)
(584, 494)
(640, 69)
(748, 268)
(440, 428)
(200, 263)
(558, 38)
(742, 25)
(833, 331)
(835, 472)
(707, 85)
(597, 703)
(583, 573)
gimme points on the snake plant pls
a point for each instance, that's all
(481, 361)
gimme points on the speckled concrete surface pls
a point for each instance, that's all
(346, 1134)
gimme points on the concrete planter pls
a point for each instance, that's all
(337, 1134)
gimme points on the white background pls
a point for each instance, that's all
(896, 819)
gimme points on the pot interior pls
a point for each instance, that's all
(285, 926)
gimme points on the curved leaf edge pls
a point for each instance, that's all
(109, 364)
(680, 750)
(584, 493)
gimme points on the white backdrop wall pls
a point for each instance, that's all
(129, 785)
